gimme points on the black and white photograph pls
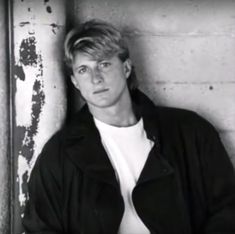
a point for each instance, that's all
(117, 117)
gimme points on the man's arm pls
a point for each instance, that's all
(43, 213)
(219, 179)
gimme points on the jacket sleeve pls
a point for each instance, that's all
(43, 213)
(219, 180)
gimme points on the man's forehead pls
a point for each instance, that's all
(85, 57)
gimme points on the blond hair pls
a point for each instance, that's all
(98, 39)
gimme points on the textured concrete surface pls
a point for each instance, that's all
(39, 88)
(4, 163)
(183, 51)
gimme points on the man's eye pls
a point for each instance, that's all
(82, 70)
(105, 64)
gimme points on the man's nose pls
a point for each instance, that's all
(97, 76)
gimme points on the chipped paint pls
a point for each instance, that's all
(22, 163)
(22, 24)
(31, 32)
(28, 55)
(19, 72)
(54, 27)
(39, 108)
(49, 10)
(38, 100)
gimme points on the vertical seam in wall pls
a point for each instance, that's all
(10, 59)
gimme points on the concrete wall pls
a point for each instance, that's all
(183, 51)
(4, 120)
(39, 90)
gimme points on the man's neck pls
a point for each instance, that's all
(115, 115)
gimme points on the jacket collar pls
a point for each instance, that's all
(84, 148)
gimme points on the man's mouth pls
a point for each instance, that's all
(100, 91)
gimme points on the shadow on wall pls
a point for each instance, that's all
(139, 59)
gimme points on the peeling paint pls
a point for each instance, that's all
(31, 32)
(26, 134)
(22, 24)
(49, 10)
(27, 147)
(23, 178)
(54, 27)
(19, 72)
(38, 101)
(28, 55)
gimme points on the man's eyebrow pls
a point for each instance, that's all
(80, 66)
(104, 60)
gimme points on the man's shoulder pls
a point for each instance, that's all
(179, 114)
(50, 153)
(72, 132)
(170, 117)
(54, 142)
(179, 117)
(164, 113)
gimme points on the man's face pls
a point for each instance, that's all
(101, 83)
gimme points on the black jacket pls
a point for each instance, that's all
(187, 185)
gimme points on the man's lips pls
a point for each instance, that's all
(100, 91)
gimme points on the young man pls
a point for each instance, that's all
(124, 165)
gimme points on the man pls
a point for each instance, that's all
(124, 165)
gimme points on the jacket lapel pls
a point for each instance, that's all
(155, 167)
(85, 150)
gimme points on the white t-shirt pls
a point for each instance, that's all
(128, 149)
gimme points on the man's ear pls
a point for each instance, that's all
(75, 83)
(127, 67)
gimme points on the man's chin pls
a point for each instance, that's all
(102, 104)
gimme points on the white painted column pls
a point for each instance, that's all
(39, 92)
